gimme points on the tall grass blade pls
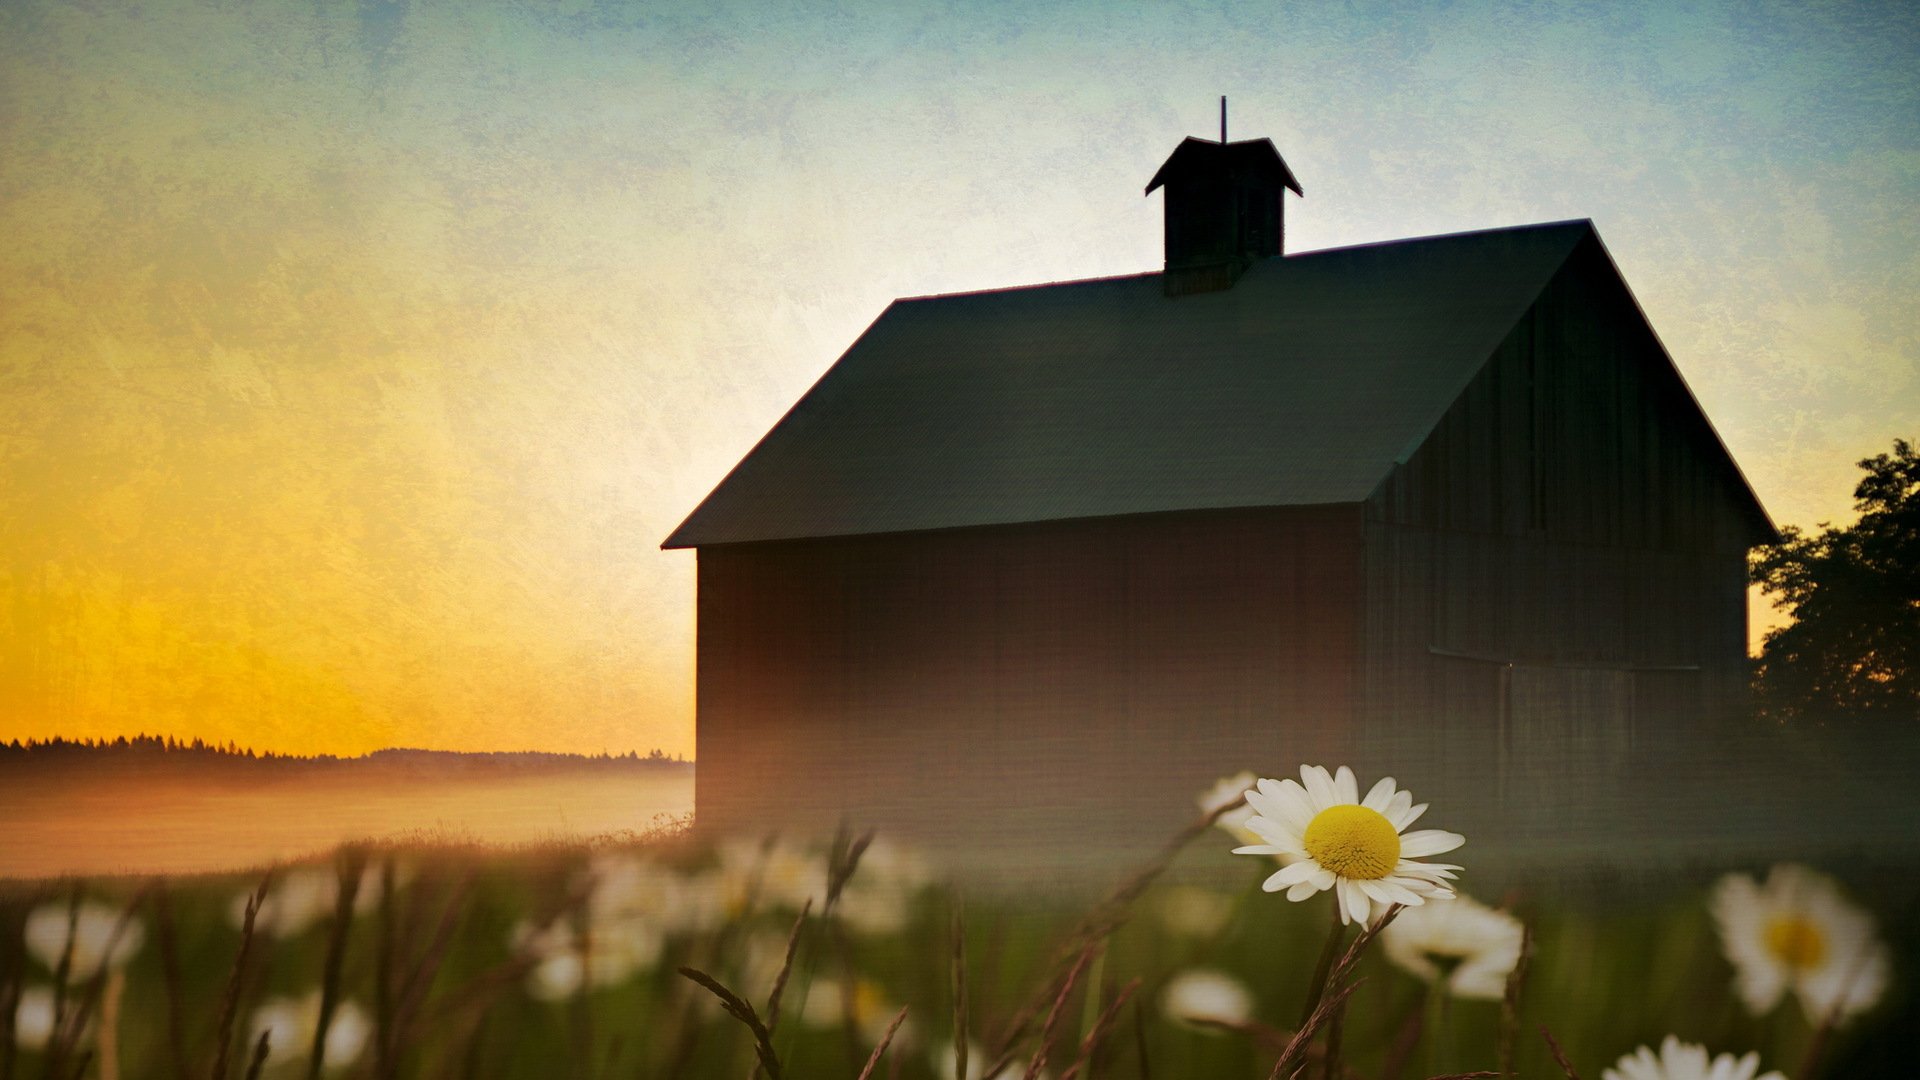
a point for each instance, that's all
(885, 1041)
(353, 862)
(1100, 922)
(1294, 1057)
(230, 1003)
(1090, 1046)
(1140, 1039)
(1049, 1029)
(1323, 968)
(1510, 1003)
(259, 1063)
(743, 1012)
(1559, 1055)
(107, 984)
(959, 989)
(162, 901)
(1334, 992)
(786, 968)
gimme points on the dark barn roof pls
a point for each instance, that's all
(1302, 385)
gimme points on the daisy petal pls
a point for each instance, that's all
(1304, 870)
(1409, 816)
(1380, 796)
(1319, 786)
(1374, 889)
(1429, 842)
(1355, 907)
(1302, 891)
(1296, 809)
(1397, 892)
(1345, 787)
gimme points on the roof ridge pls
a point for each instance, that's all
(1540, 226)
(1537, 226)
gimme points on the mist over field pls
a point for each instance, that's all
(71, 819)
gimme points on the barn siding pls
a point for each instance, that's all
(1570, 513)
(1048, 686)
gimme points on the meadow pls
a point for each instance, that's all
(656, 954)
(106, 814)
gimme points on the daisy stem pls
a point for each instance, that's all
(1412, 1019)
(1436, 1025)
(1818, 1043)
(1322, 969)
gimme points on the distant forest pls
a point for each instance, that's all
(168, 751)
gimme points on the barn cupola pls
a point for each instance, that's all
(1223, 209)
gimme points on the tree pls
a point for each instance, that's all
(1853, 647)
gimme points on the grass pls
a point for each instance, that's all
(649, 955)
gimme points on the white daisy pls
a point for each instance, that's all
(97, 934)
(1798, 932)
(33, 1018)
(562, 967)
(289, 1024)
(1685, 1061)
(299, 899)
(1462, 944)
(1347, 844)
(826, 1006)
(977, 1062)
(1204, 994)
(1227, 791)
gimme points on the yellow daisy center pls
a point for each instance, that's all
(1796, 942)
(1353, 842)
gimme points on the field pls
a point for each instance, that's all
(586, 960)
(92, 818)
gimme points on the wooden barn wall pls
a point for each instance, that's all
(1565, 545)
(1052, 688)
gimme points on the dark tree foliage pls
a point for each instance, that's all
(1853, 647)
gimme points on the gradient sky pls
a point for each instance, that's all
(355, 358)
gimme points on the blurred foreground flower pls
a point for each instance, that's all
(298, 899)
(33, 1018)
(290, 1023)
(562, 967)
(875, 901)
(1204, 994)
(777, 872)
(1685, 1061)
(1466, 946)
(1343, 843)
(827, 1006)
(1192, 911)
(977, 1062)
(783, 874)
(1227, 791)
(625, 888)
(1799, 932)
(93, 927)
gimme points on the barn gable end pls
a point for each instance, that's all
(1556, 576)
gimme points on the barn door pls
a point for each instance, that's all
(1568, 732)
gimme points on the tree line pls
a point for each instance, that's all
(158, 746)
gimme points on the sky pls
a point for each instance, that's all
(356, 358)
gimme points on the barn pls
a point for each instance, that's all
(1027, 568)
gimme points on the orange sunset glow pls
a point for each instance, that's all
(354, 363)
